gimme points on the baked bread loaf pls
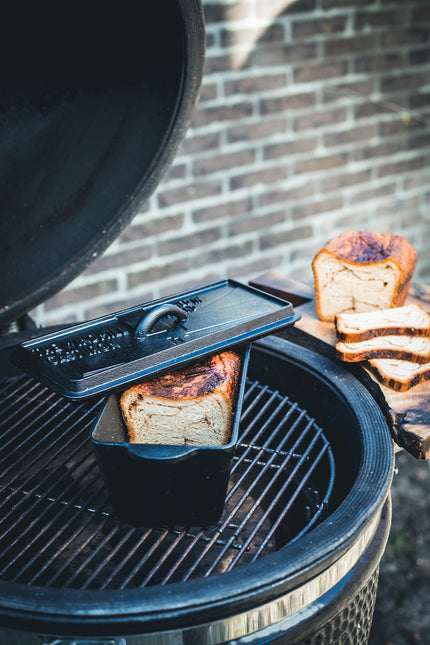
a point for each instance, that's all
(399, 375)
(405, 348)
(409, 320)
(192, 406)
(364, 271)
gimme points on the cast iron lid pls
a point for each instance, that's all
(110, 352)
(95, 99)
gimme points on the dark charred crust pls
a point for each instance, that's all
(197, 380)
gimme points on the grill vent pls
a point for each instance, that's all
(56, 525)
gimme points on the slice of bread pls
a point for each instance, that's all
(409, 320)
(399, 375)
(362, 271)
(192, 406)
(406, 348)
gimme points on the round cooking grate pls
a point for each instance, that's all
(57, 528)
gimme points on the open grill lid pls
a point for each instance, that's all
(95, 100)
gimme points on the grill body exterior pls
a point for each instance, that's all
(315, 585)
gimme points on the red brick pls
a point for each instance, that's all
(278, 238)
(335, 4)
(315, 208)
(95, 311)
(208, 92)
(285, 54)
(222, 210)
(342, 137)
(230, 112)
(353, 44)
(216, 12)
(156, 272)
(189, 242)
(256, 223)
(288, 102)
(369, 109)
(414, 183)
(255, 267)
(398, 126)
(404, 82)
(255, 85)
(378, 62)
(418, 141)
(267, 176)
(318, 26)
(401, 167)
(419, 56)
(188, 193)
(258, 130)
(241, 36)
(187, 282)
(288, 148)
(221, 162)
(320, 71)
(373, 193)
(317, 164)
(198, 143)
(152, 227)
(80, 294)
(380, 18)
(121, 259)
(271, 8)
(343, 180)
(177, 170)
(304, 191)
(353, 90)
(216, 63)
(216, 255)
(405, 36)
(397, 206)
(373, 151)
(421, 14)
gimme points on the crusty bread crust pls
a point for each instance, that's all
(399, 375)
(409, 320)
(190, 406)
(387, 263)
(406, 348)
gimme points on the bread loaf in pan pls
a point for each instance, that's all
(192, 406)
(161, 483)
(362, 271)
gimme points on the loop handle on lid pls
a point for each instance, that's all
(154, 315)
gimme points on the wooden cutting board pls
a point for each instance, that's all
(409, 411)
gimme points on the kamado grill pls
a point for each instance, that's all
(294, 557)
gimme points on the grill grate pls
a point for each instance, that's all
(56, 524)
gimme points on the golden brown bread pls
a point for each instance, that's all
(192, 406)
(362, 271)
(399, 375)
(409, 320)
(407, 348)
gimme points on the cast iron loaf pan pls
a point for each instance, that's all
(154, 485)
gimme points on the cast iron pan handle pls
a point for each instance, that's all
(154, 315)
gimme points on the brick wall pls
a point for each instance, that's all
(313, 118)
